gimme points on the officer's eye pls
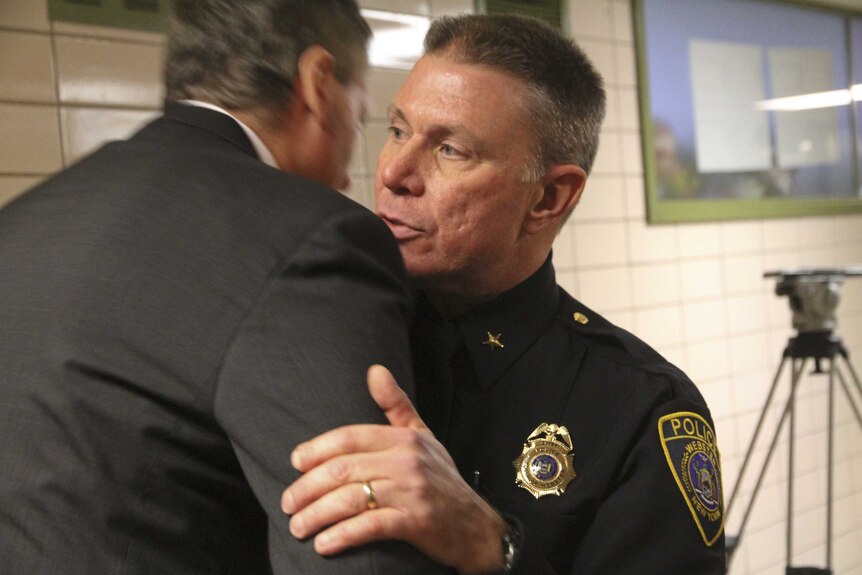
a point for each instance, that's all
(450, 151)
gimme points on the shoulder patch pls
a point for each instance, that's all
(691, 450)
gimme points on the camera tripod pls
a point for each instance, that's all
(813, 299)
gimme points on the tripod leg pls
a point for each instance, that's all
(846, 357)
(797, 375)
(852, 402)
(847, 391)
(757, 429)
(833, 368)
(791, 459)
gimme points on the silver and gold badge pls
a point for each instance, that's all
(545, 464)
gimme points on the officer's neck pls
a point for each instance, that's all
(453, 306)
(453, 300)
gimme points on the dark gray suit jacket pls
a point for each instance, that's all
(175, 316)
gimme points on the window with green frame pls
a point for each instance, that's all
(743, 118)
(143, 15)
(550, 11)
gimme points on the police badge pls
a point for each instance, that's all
(692, 453)
(545, 464)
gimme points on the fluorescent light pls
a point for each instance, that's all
(397, 17)
(813, 101)
(397, 40)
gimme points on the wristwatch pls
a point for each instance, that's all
(511, 542)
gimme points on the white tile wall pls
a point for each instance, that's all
(375, 136)
(652, 244)
(699, 241)
(604, 198)
(93, 32)
(746, 314)
(656, 284)
(85, 129)
(694, 291)
(109, 73)
(420, 7)
(600, 244)
(451, 7)
(382, 85)
(741, 237)
(606, 289)
(24, 14)
(591, 20)
(744, 274)
(612, 114)
(609, 157)
(635, 198)
(29, 139)
(564, 249)
(629, 112)
(25, 66)
(661, 326)
(704, 320)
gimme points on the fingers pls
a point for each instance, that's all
(363, 438)
(329, 499)
(392, 399)
(342, 441)
(342, 471)
(450, 523)
(341, 504)
(360, 530)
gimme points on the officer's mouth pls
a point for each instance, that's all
(400, 229)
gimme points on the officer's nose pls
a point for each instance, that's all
(399, 169)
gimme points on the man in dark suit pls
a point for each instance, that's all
(173, 302)
(556, 442)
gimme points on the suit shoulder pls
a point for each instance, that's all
(219, 182)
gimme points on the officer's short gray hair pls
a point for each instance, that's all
(566, 96)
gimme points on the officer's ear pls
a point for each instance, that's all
(315, 81)
(561, 189)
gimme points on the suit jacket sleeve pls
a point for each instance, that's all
(297, 368)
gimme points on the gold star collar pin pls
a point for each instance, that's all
(493, 341)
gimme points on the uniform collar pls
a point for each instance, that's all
(515, 319)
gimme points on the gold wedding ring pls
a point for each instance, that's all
(369, 494)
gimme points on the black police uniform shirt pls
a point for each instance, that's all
(646, 497)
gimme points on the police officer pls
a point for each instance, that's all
(552, 441)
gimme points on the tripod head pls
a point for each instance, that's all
(814, 295)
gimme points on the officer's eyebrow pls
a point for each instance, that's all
(394, 111)
(438, 130)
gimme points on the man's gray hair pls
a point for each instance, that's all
(243, 54)
(566, 96)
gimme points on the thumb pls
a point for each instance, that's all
(392, 399)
